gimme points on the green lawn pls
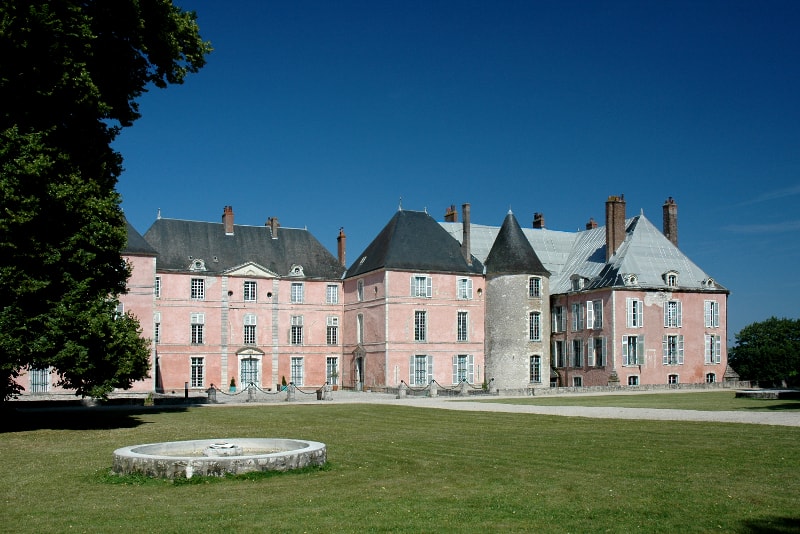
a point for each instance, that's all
(408, 469)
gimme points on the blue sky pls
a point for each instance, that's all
(325, 114)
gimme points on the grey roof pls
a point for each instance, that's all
(511, 252)
(136, 245)
(179, 243)
(413, 241)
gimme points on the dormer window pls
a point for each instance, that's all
(670, 278)
(197, 265)
(296, 270)
(630, 279)
(577, 282)
(709, 283)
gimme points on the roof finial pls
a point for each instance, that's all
(158, 216)
(400, 206)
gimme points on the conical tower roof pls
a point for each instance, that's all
(512, 253)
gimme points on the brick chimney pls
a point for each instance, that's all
(341, 242)
(538, 220)
(615, 224)
(227, 219)
(592, 224)
(273, 224)
(671, 220)
(451, 215)
(465, 238)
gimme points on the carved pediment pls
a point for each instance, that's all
(251, 270)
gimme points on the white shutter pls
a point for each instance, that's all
(717, 349)
(679, 312)
(455, 369)
(629, 312)
(715, 317)
(589, 314)
(470, 369)
(665, 350)
(428, 286)
(411, 370)
(469, 288)
(413, 291)
(603, 349)
(639, 314)
(680, 350)
(589, 347)
(430, 368)
(640, 350)
(624, 350)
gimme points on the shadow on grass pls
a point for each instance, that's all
(77, 418)
(785, 406)
(773, 525)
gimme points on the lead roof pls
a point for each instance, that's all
(511, 252)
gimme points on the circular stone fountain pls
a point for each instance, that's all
(217, 457)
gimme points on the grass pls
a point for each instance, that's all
(407, 469)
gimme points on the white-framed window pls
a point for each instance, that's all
(332, 294)
(332, 330)
(534, 326)
(249, 371)
(634, 313)
(594, 314)
(157, 327)
(360, 328)
(711, 378)
(463, 368)
(535, 369)
(198, 324)
(297, 293)
(360, 290)
(633, 380)
(332, 370)
(672, 379)
(39, 379)
(713, 348)
(157, 287)
(421, 372)
(711, 313)
(577, 316)
(297, 370)
(198, 289)
(596, 352)
(576, 282)
(197, 372)
(559, 354)
(671, 279)
(420, 326)
(559, 320)
(250, 323)
(673, 316)
(632, 350)
(534, 287)
(421, 286)
(672, 350)
(464, 288)
(462, 326)
(577, 353)
(250, 291)
(577, 381)
(296, 331)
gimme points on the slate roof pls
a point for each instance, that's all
(180, 242)
(511, 252)
(136, 245)
(413, 241)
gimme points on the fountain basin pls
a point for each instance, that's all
(217, 457)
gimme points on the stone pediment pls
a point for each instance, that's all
(251, 270)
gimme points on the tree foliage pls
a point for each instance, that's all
(70, 74)
(768, 352)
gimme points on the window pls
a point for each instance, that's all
(248, 371)
(462, 326)
(420, 326)
(713, 348)
(534, 287)
(672, 379)
(577, 381)
(250, 329)
(296, 332)
(633, 380)
(332, 332)
(559, 324)
(534, 326)
(535, 374)
(157, 287)
(157, 327)
(249, 291)
(577, 353)
(332, 294)
(577, 316)
(672, 349)
(198, 289)
(198, 322)
(332, 370)
(632, 350)
(297, 292)
(633, 313)
(558, 354)
(360, 290)
(463, 369)
(421, 372)
(297, 368)
(596, 352)
(672, 314)
(40, 379)
(594, 314)
(671, 279)
(711, 378)
(464, 288)
(576, 282)
(711, 313)
(421, 286)
(196, 372)
(360, 328)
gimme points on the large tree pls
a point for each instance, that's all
(70, 74)
(768, 352)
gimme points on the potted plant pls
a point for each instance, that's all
(283, 383)
(334, 382)
(233, 385)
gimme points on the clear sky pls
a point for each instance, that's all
(325, 114)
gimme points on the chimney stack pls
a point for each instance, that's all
(592, 224)
(615, 224)
(465, 237)
(340, 247)
(451, 215)
(227, 219)
(273, 224)
(671, 220)
(538, 220)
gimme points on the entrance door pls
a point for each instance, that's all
(248, 372)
